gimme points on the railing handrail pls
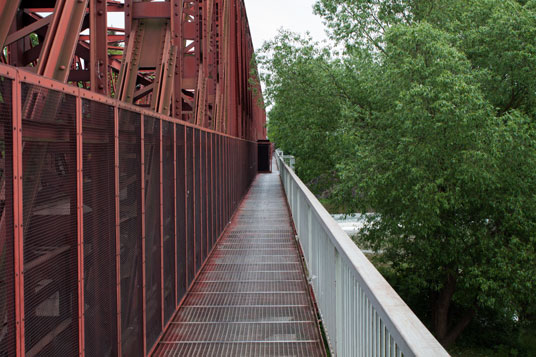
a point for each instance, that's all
(408, 332)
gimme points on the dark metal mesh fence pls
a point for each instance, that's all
(100, 285)
(50, 222)
(198, 241)
(153, 282)
(203, 196)
(7, 278)
(131, 237)
(168, 194)
(91, 194)
(190, 209)
(181, 213)
(210, 191)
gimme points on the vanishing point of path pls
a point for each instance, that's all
(251, 298)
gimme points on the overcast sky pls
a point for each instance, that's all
(266, 17)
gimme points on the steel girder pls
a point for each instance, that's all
(190, 59)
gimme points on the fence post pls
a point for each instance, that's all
(339, 311)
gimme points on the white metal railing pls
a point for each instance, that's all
(361, 313)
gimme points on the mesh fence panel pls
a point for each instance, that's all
(181, 214)
(210, 191)
(198, 205)
(168, 190)
(216, 194)
(7, 290)
(131, 239)
(153, 289)
(50, 222)
(203, 196)
(219, 160)
(100, 286)
(187, 206)
(190, 209)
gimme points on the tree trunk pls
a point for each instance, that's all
(441, 306)
(443, 329)
(456, 331)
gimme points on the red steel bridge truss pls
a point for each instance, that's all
(123, 155)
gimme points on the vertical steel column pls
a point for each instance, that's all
(177, 40)
(128, 19)
(175, 245)
(98, 34)
(117, 228)
(18, 223)
(80, 223)
(161, 227)
(144, 295)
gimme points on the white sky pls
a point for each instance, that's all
(266, 17)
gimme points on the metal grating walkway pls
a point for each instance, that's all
(251, 298)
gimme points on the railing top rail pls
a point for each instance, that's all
(408, 331)
(25, 76)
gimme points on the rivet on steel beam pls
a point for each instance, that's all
(100, 12)
(62, 67)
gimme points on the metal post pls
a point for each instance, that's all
(161, 225)
(143, 229)
(80, 223)
(18, 223)
(117, 228)
(194, 206)
(185, 189)
(176, 236)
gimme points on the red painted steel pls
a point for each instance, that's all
(80, 223)
(143, 235)
(98, 32)
(9, 274)
(17, 213)
(117, 228)
(85, 166)
(206, 81)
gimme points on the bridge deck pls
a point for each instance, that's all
(251, 298)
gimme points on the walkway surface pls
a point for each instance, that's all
(251, 298)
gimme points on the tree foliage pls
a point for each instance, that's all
(427, 119)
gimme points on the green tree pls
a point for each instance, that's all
(305, 107)
(449, 183)
(428, 120)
